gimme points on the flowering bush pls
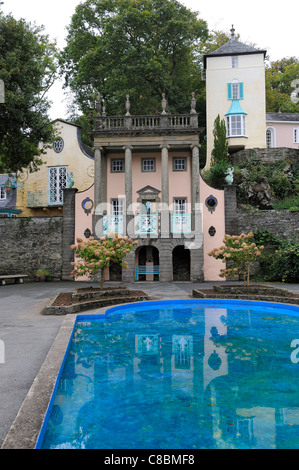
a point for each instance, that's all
(240, 251)
(96, 255)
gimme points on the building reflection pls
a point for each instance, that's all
(195, 380)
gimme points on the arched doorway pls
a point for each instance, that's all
(181, 263)
(147, 255)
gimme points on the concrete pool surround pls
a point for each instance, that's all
(27, 426)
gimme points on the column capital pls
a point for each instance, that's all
(192, 146)
(164, 146)
(128, 147)
(98, 147)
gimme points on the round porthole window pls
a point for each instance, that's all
(87, 205)
(211, 203)
(58, 145)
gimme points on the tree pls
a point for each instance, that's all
(215, 175)
(220, 150)
(282, 80)
(138, 47)
(96, 255)
(240, 251)
(27, 68)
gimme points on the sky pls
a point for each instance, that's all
(269, 25)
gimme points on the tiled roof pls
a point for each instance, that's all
(282, 117)
(235, 47)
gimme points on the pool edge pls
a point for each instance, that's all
(27, 426)
(28, 423)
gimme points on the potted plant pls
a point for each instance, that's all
(43, 274)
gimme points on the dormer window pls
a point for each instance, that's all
(2, 193)
(235, 62)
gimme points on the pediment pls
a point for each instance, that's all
(148, 190)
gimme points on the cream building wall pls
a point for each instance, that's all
(33, 193)
(250, 71)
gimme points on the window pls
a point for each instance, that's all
(180, 206)
(235, 90)
(235, 62)
(117, 166)
(2, 193)
(270, 135)
(236, 125)
(57, 182)
(296, 136)
(179, 164)
(58, 145)
(148, 164)
(117, 206)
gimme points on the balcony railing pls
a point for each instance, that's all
(147, 224)
(143, 123)
(180, 223)
(113, 224)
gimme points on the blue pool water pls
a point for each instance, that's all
(191, 374)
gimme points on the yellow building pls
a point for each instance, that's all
(68, 163)
(235, 89)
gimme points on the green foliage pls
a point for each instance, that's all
(220, 150)
(215, 175)
(279, 77)
(27, 68)
(291, 203)
(280, 259)
(138, 47)
(281, 179)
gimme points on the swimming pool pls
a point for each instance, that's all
(181, 374)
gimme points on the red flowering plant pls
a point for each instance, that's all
(93, 255)
(240, 251)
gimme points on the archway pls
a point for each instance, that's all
(147, 255)
(181, 263)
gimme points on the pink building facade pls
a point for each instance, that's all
(282, 130)
(147, 185)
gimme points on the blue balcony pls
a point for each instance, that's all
(113, 224)
(147, 224)
(180, 223)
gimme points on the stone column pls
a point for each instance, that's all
(128, 186)
(100, 190)
(195, 195)
(165, 191)
(230, 200)
(68, 238)
(98, 175)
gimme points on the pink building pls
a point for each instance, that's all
(147, 185)
(282, 130)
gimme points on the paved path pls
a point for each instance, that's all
(27, 334)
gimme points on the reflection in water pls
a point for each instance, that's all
(182, 378)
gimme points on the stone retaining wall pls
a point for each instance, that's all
(28, 244)
(283, 224)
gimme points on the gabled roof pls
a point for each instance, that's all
(234, 47)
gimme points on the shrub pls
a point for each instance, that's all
(96, 255)
(240, 251)
(280, 259)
